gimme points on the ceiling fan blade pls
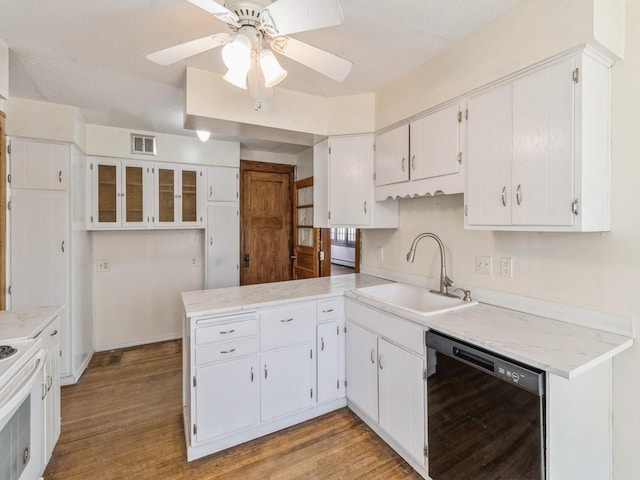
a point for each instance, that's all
(188, 49)
(217, 10)
(319, 60)
(283, 17)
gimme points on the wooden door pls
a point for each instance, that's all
(266, 222)
(306, 239)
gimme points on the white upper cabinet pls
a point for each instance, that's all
(179, 196)
(39, 165)
(346, 169)
(538, 150)
(422, 157)
(222, 184)
(122, 193)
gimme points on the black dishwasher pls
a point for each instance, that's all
(486, 414)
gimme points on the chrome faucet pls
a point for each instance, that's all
(445, 281)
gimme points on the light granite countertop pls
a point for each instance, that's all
(221, 300)
(558, 347)
(28, 323)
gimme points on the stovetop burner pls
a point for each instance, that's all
(6, 351)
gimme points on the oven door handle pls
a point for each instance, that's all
(15, 396)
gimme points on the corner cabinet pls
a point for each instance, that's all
(423, 157)
(538, 149)
(250, 373)
(344, 185)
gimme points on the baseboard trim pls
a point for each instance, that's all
(137, 343)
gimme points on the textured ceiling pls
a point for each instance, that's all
(91, 54)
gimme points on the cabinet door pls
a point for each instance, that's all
(222, 184)
(223, 245)
(135, 194)
(166, 188)
(106, 192)
(490, 150)
(435, 144)
(191, 183)
(327, 351)
(227, 396)
(362, 372)
(350, 180)
(39, 165)
(39, 248)
(392, 156)
(286, 381)
(402, 392)
(543, 150)
(51, 385)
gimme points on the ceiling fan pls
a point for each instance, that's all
(256, 26)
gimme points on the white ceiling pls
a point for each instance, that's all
(91, 54)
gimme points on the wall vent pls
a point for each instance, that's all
(143, 144)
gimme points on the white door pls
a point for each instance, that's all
(51, 384)
(327, 348)
(227, 397)
(435, 144)
(362, 370)
(223, 245)
(286, 381)
(351, 180)
(392, 156)
(222, 184)
(489, 143)
(402, 405)
(39, 165)
(543, 150)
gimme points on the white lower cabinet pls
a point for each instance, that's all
(227, 397)
(401, 405)
(385, 379)
(51, 387)
(327, 340)
(286, 381)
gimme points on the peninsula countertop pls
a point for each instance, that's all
(559, 347)
(27, 323)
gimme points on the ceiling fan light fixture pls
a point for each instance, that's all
(271, 69)
(203, 136)
(237, 53)
(237, 77)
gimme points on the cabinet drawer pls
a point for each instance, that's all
(398, 330)
(328, 310)
(50, 335)
(287, 326)
(225, 351)
(224, 332)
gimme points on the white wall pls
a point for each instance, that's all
(4, 72)
(343, 255)
(304, 163)
(138, 300)
(599, 271)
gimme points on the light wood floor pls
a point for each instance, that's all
(123, 420)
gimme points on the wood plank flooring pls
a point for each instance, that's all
(123, 420)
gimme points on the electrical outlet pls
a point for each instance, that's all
(103, 265)
(506, 267)
(380, 254)
(483, 264)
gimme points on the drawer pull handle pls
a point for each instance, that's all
(251, 374)
(380, 361)
(327, 311)
(321, 344)
(55, 332)
(60, 176)
(265, 370)
(228, 351)
(371, 356)
(286, 320)
(228, 332)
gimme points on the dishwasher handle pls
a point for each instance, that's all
(475, 359)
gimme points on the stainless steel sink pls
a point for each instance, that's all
(415, 299)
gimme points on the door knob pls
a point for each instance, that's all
(246, 260)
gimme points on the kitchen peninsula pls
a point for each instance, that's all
(259, 358)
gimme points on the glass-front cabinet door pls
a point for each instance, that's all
(178, 200)
(122, 193)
